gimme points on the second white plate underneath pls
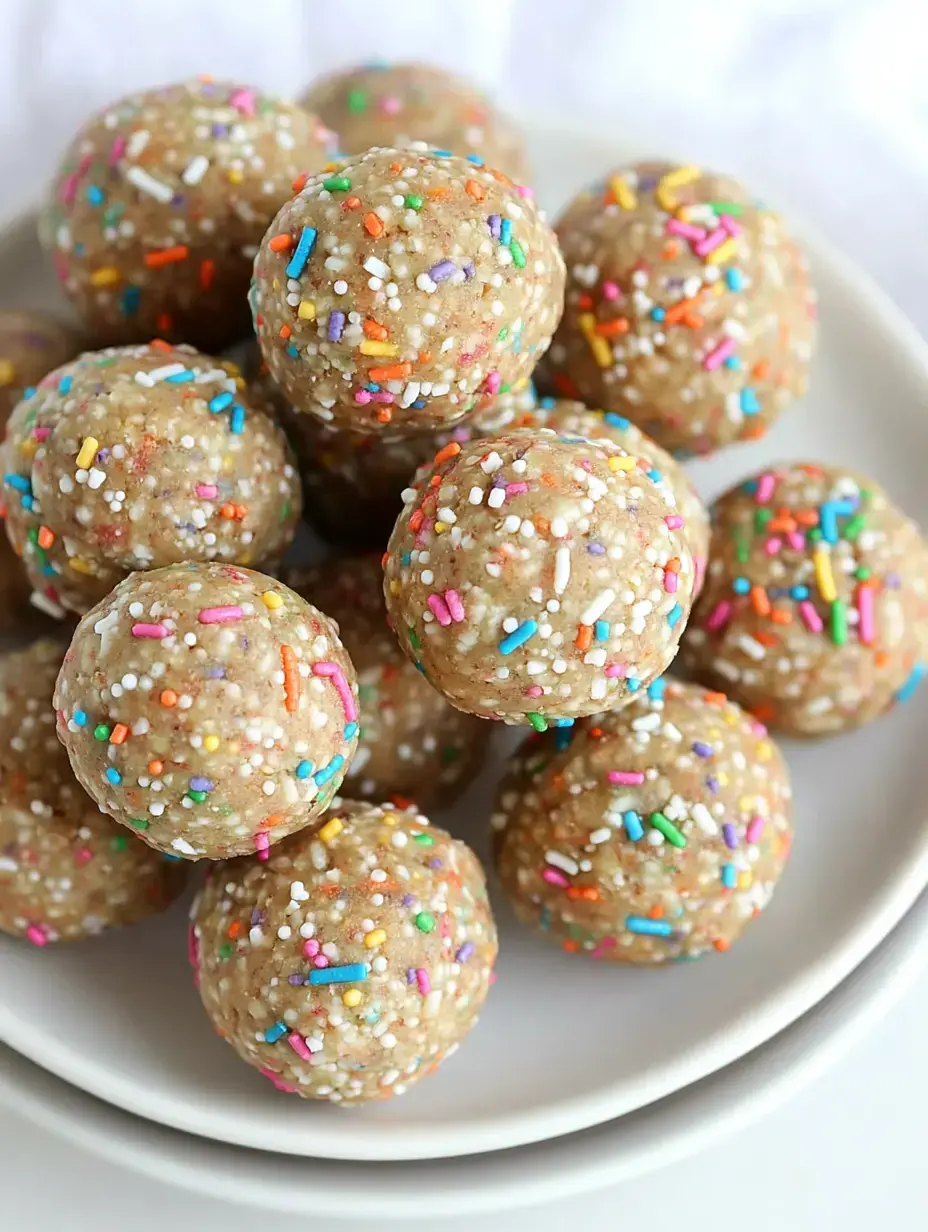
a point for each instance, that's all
(564, 1043)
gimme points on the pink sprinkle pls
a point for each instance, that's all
(719, 616)
(219, 615)
(337, 676)
(516, 489)
(534, 690)
(391, 105)
(700, 565)
(758, 728)
(320, 961)
(524, 191)
(277, 1081)
(298, 1044)
(69, 189)
(455, 606)
(83, 856)
(262, 843)
(773, 545)
(439, 609)
(611, 290)
(383, 395)
(755, 829)
(686, 230)
(36, 935)
(728, 223)
(717, 357)
(363, 396)
(810, 616)
(796, 540)
(311, 948)
(555, 878)
(766, 486)
(712, 241)
(626, 778)
(603, 947)
(674, 522)
(422, 979)
(144, 630)
(206, 491)
(116, 151)
(670, 582)
(41, 434)
(493, 382)
(243, 101)
(866, 626)
(616, 669)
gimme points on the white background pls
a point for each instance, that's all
(824, 103)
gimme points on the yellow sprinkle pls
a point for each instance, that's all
(722, 778)
(621, 464)
(306, 310)
(370, 346)
(211, 743)
(331, 829)
(622, 193)
(390, 819)
(765, 750)
(352, 997)
(377, 936)
(80, 566)
(674, 179)
(394, 587)
(602, 352)
(105, 277)
(440, 528)
(745, 880)
(272, 600)
(28, 447)
(88, 451)
(727, 249)
(235, 175)
(7, 372)
(823, 575)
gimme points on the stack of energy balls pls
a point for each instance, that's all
(535, 561)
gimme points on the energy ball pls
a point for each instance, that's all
(66, 871)
(657, 834)
(137, 457)
(404, 290)
(31, 343)
(398, 104)
(411, 744)
(208, 708)
(160, 202)
(354, 961)
(535, 578)
(814, 613)
(688, 307)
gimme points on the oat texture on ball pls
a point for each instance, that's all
(688, 307)
(208, 708)
(814, 613)
(160, 201)
(66, 870)
(536, 578)
(137, 457)
(398, 104)
(353, 962)
(412, 744)
(31, 344)
(405, 289)
(648, 835)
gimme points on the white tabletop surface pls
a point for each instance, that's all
(821, 101)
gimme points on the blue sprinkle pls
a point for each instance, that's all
(95, 195)
(829, 513)
(180, 378)
(406, 559)
(351, 730)
(633, 684)
(733, 362)
(548, 404)
(273, 1034)
(64, 385)
(701, 749)
(648, 928)
(442, 153)
(527, 629)
(113, 775)
(505, 231)
(741, 586)
(633, 827)
(562, 738)
(656, 689)
(475, 159)
(372, 387)
(297, 262)
(729, 876)
(29, 391)
(561, 722)
(749, 485)
(673, 616)
(237, 425)
(27, 502)
(131, 297)
(655, 476)
(19, 482)
(601, 630)
(657, 314)
(304, 769)
(321, 777)
(198, 783)
(544, 920)
(914, 680)
(338, 975)
(734, 278)
(419, 404)
(749, 402)
(799, 593)
(220, 402)
(617, 421)
(79, 718)
(292, 350)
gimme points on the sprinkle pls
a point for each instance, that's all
(668, 829)
(148, 184)
(729, 876)
(304, 769)
(624, 197)
(633, 827)
(704, 819)
(443, 270)
(755, 829)
(648, 928)
(321, 777)
(839, 622)
(102, 732)
(810, 616)
(719, 616)
(299, 1046)
(538, 721)
(555, 878)
(272, 600)
(518, 637)
(206, 491)
(425, 922)
(274, 1033)
(464, 952)
(219, 615)
(113, 776)
(674, 615)
(332, 829)
(730, 836)
(88, 451)
(36, 935)
(336, 326)
(195, 170)
(297, 262)
(347, 974)
(337, 183)
(139, 823)
(291, 679)
(333, 672)
(220, 402)
(914, 680)
(626, 778)
(262, 844)
(716, 357)
(561, 570)
(119, 734)
(376, 937)
(598, 607)
(382, 349)
(674, 522)
(167, 256)
(866, 627)
(455, 606)
(150, 630)
(439, 609)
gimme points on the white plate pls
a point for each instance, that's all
(564, 1044)
(655, 1137)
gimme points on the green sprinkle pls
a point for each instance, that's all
(337, 183)
(414, 638)
(139, 823)
(226, 950)
(197, 796)
(853, 528)
(839, 622)
(119, 843)
(668, 829)
(761, 518)
(32, 534)
(538, 721)
(449, 755)
(413, 202)
(425, 922)
(424, 840)
(863, 574)
(518, 255)
(357, 101)
(102, 732)
(725, 207)
(285, 511)
(742, 550)
(500, 337)
(815, 534)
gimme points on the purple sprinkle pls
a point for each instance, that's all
(103, 454)
(435, 862)
(729, 835)
(495, 224)
(257, 917)
(892, 581)
(464, 952)
(216, 672)
(470, 270)
(712, 783)
(408, 900)
(296, 978)
(701, 749)
(201, 784)
(220, 130)
(411, 975)
(596, 549)
(441, 271)
(336, 325)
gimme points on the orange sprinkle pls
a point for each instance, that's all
(280, 243)
(373, 225)
(291, 678)
(585, 302)
(437, 194)
(767, 639)
(392, 372)
(285, 331)
(670, 251)
(781, 616)
(612, 329)
(155, 767)
(570, 946)
(46, 537)
(595, 733)
(806, 517)
(676, 312)
(881, 658)
(396, 168)
(435, 481)
(473, 189)
(714, 699)
(425, 357)
(656, 912)
(761, 370)
(764, 712)
(352, 202)
(415, 520)
(401, 802)
(721, 944)
(589, 894)
(274, 820)
(451, 450)
(759, 600)
(165, 323)
(207, 272)
(373, 329)
(673, 565)
(584, 637)
(298, 183)
(168, 697)
(119, 734)
(384, 415)
(167, 256)
(234, 930)
(159, 344)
